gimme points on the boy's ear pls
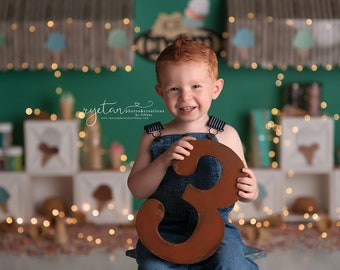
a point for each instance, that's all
(218, 88)
(158, 90)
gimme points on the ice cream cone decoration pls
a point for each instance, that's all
(243, 53)
(4, 196)
(93, 143)
(49, 145)
(66, 104)
(102, 195)
(302, 54)
(101, 204)
(61, 236)
(55, 44)
(118, 41)
(303, 42)
(244, 40)
(309, 152)
(116, 151)
(196, 12)
(47, 152)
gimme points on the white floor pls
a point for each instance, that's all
(278, 260)
(300, 260)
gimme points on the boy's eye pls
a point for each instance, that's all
(173, 89)
(196, 86)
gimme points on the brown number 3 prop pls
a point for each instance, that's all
(209, 231)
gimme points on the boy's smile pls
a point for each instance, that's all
(187, 109)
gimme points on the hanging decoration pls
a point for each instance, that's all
(283, 33)
(168, 26)
(243, 40)
(37, 34)
(303, 42)
(56, 43)
(118, 41)
(196, 12)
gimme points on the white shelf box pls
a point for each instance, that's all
(51, 147)
(104, 196)
(334, 211)
(270, 199)
(307, 144)
(299, 185)
(16, 196)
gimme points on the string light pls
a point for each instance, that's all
(50, 24)
(70, 66)
(231, 19)
(128, 68)
(9, 220)
(137, 29)
(126, 21)
(241, 222)
(89, 25)
(28, 111)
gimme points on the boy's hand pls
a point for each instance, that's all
(247, 185)
(178, 150)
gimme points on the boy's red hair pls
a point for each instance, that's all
(184, 50)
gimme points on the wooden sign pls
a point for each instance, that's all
(209, 231)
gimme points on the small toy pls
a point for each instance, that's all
(116, 151)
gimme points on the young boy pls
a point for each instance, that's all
(187, 81)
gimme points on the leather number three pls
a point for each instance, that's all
(209, 231)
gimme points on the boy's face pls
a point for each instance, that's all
(187, 89)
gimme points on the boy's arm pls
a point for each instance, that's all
(146, 175)
(248, 189)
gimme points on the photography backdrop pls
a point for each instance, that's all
(245, 88)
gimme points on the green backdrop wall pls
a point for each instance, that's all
(245, 89)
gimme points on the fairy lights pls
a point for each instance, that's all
(279, 34)
(39, 53)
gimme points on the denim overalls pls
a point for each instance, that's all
(181, 218)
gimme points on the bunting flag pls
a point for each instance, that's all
(38, 34)
(283, 33)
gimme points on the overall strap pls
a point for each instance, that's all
(154, 127)
(215, 123)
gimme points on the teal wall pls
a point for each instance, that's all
(244, 89)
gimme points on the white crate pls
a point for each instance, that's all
(307, 144)
(117, 204)
(270, 200)
(334, 211)
(18, 204)
(51, 147)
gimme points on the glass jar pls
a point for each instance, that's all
(13, 156)
(5, 135)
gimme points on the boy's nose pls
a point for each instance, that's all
(186, 95)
